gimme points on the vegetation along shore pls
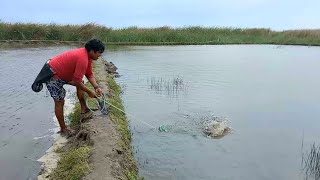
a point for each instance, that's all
(30, 33)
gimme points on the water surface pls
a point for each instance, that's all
(269, 94)
(26, 117)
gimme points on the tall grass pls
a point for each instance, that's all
(156, 36)
(28, 31)
(311, 162)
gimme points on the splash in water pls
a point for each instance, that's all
(211, 126)
(216, 127)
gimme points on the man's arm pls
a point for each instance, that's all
(81, 86)
(80, 70)
(93, 82)
(96, 86)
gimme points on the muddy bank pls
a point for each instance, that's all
(112, 156)
(111, 69)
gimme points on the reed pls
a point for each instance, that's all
(156, 36)
(311, 162)
(170, 87)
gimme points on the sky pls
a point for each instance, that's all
(273, 14)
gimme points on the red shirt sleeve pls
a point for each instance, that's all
(80, 70)
(89, 72)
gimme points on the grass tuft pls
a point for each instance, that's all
(73, 164)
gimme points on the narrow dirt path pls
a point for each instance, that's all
(107, 155)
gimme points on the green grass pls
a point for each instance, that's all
(74, 116)
(73, 164)
(156, 36)
(120, 119)
(117, 116)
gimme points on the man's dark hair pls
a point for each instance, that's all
(95, 45)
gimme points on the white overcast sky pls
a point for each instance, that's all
(274, 14)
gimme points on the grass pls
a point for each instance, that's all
(311, 162)
(74, 161)
(120, 119)
(171, 87)
(117, 116)
(73, 164)
(155, 36)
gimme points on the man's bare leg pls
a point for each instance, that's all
(83, 104)
(58, 109)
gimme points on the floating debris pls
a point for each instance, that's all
(164, 128)
(216, 128)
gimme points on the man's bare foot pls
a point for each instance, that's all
(67, 132)
(86, 116)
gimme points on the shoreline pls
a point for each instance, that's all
(161, 35)
(112, 156)
(41, 43)
(50, 159)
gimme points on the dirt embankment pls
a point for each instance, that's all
(109, 159)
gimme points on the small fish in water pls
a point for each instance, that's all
(216, 128)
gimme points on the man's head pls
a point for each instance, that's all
(95, 48)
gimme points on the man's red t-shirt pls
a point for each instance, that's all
(72, 65)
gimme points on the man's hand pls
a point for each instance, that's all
(92, 94)
(99, 91)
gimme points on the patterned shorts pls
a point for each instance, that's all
(55, 87)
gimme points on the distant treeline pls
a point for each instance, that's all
(156, 36)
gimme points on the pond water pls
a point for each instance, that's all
(269, 95)
(26, 117)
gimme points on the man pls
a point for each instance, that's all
(70, 68)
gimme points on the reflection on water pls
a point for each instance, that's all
(268, 95)
(311, 162)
